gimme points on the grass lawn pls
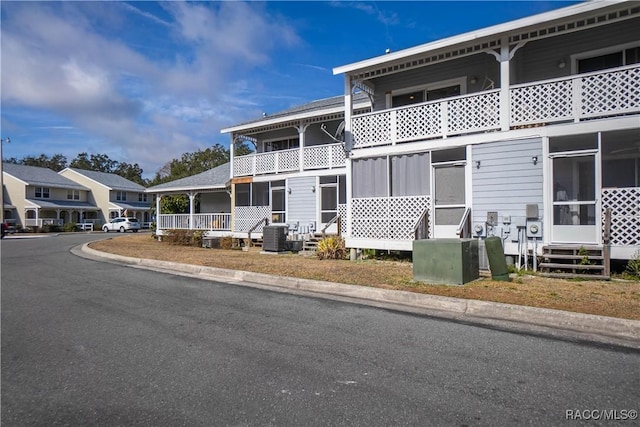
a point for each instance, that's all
(614, 298)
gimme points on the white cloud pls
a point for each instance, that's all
(73, 60)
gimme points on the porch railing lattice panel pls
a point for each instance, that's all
(244, 165)
(288, 160)
(415, 122)
(542, 103)
(474, 113)
(247, 216)
(610, 92)
(342, 211)
(324, 156)
(625, 214)
(371, 129)
(391, 218)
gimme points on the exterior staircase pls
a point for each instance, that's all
(575, 261)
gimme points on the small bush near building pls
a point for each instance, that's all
(331, 248)
(633, 266)
(69, 227)
(183, 237)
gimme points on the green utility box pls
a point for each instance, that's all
(445, 261)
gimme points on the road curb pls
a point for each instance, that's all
(588, 326)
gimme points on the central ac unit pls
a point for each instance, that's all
(274, 238)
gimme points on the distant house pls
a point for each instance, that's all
(114, 195)
(209, 202)
(36, 196)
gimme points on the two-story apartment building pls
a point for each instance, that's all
(298, 173)
(38, 196)
(528, 130)
(114, 195)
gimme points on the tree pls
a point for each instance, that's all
(56, 163)
(94, 162)
(130, 172)
(192, 164)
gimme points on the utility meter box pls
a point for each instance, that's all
(479, 229)
(534, 229)
(445, 261)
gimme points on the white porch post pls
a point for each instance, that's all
(192, 197)
(505, 109)
(348, 113)
(158, 197)
(232, 148)
(301, 128)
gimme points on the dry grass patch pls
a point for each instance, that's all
(615, 298)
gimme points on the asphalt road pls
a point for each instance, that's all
(92, 343)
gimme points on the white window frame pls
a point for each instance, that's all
(44, 193)
(601, 52)
(142, 197)
(461, 81)
(73, 194)
(267, 143)
(121, 196)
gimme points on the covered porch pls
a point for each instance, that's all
(203, 203)
(39, 213)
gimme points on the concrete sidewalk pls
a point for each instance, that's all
(557, 323)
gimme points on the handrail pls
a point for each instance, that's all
(421, 229)
(462, 229)
(328, 224)
(256, 225)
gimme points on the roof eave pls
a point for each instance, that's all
(492, 31)
(283, 119)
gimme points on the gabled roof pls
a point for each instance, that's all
(313, 109)
(567, 19)
(215, 178)
(109, 180)
(41, 177)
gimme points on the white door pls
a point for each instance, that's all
(449, 199)
(575, 215)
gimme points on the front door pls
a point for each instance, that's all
(449, 199)
(574, 198)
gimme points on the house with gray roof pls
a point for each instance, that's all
(114, 195)
(36, 196)
(209, 202)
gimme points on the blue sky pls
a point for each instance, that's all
(145, 82)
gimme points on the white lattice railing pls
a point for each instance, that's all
(342, 211)
(625, 214)
(247, 216)
(600, 94)
(201, 221)
(388, 218)
(314, 157)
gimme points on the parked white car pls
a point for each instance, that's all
(122, 224)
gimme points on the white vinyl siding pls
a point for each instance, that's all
(507, 179)
(302, 200)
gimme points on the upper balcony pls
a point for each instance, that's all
(326, 156)
(609, 93)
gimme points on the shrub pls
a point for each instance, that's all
(226, 242)
(69, 227)
(633, 266)
(331, 248)
(180, 237)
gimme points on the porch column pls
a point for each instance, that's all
(301, 128)
(348, 113)
(232, 148)
(192, 198)
(505, 109)
(158, 197)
